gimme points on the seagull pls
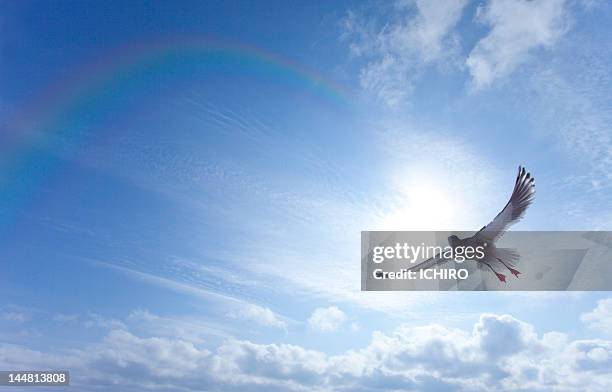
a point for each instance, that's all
(496, 260)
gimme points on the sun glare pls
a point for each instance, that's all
(421, 205)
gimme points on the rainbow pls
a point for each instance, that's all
(37, 125)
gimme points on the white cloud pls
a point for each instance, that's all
(517, 29)
(500, 353)
(326, 319)
(499, 336)
(260, 315)
(14, 356)
(600, 318)
(417, 33)
(273, 364)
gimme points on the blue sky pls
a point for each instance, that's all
(184, 187)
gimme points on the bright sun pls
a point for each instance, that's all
(421, 205)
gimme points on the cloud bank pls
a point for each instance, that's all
(500, 353)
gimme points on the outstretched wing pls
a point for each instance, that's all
(522, 196)
(429, 263)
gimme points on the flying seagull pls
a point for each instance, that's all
(495, 260)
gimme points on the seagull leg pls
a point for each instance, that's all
(514, 271)
(501, 277)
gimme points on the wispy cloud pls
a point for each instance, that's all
(570, 107)
(517, 29)
(171, 284)
(14, 316)
(403, 40)
(416, 34)
(240, 309)
(190, 328)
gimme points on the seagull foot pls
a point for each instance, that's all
(501, 277)
(516, 273)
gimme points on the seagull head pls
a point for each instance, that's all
(453, 240)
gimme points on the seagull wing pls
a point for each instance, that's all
(521, 198)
